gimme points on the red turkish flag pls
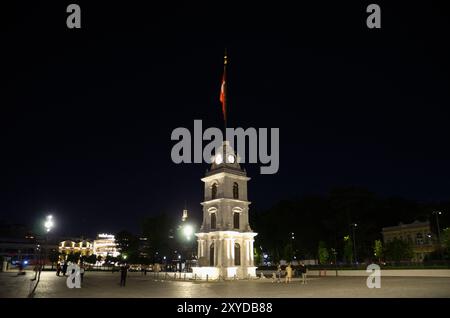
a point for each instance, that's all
(223, 96)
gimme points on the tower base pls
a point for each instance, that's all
(232, 272)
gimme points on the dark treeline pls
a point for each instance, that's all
(162, 239)
(295, 228)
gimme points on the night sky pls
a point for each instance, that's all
(86, 115)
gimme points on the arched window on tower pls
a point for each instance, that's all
(236, 220)
(237, 254)
(419, 239)
(211, 255)
(213, 220)
(235, 191)
(214, 191)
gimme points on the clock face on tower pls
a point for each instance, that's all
(219, 159)
(230, 159)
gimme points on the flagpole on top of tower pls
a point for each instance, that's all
(223, 90)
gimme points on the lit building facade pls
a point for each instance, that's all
(225, 240)
(418, 234)
(83, 247)
(105, 245)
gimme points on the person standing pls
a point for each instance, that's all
(36, 271)
(123, 275)
(274, 277)
(288, 273)
(58, 269)
(303, 272)
(64, 269)
(279, 273)
(81, 272)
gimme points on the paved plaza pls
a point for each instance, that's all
(106, 284)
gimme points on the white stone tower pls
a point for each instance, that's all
(225, 240)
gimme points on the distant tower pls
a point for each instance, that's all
(225, 240)
(185, 215)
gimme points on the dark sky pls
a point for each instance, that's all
(88, 114)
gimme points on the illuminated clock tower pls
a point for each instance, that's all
(225, 240)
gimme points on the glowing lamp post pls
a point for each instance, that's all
(188, 230)
(48, 224)
(437, 213)
(354, 226)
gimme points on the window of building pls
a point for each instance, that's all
(213, 220)
(235, 191)
(211, 255)
(419, 239)
(409, 239)
(214, 191)
(237, 254)
(236, 216)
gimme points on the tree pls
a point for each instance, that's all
(348, 249)
(288, 252)
(73, 257)
(53, 256)
(126, 242)
(378, 250)
(258, 257)
(91, 259)
(110, 260)
(446, 241)
(158, 230)
(398, 250)
(446, 238)
(323, 253)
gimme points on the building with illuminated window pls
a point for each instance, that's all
(105, 245)
(225, 240)
(81, 246)
(417, 234)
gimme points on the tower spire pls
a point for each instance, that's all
(185, 212)
(223, 89)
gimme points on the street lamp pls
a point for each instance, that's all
(188, 230)
(354, 226)
(49, 223)
(333, 250)
(437, 213)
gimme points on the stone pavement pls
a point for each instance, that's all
(106, 284)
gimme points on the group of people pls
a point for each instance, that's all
(63, 269)
(289, 273)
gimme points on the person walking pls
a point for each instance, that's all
(279, 273)
(288, 273)
(123, 275)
